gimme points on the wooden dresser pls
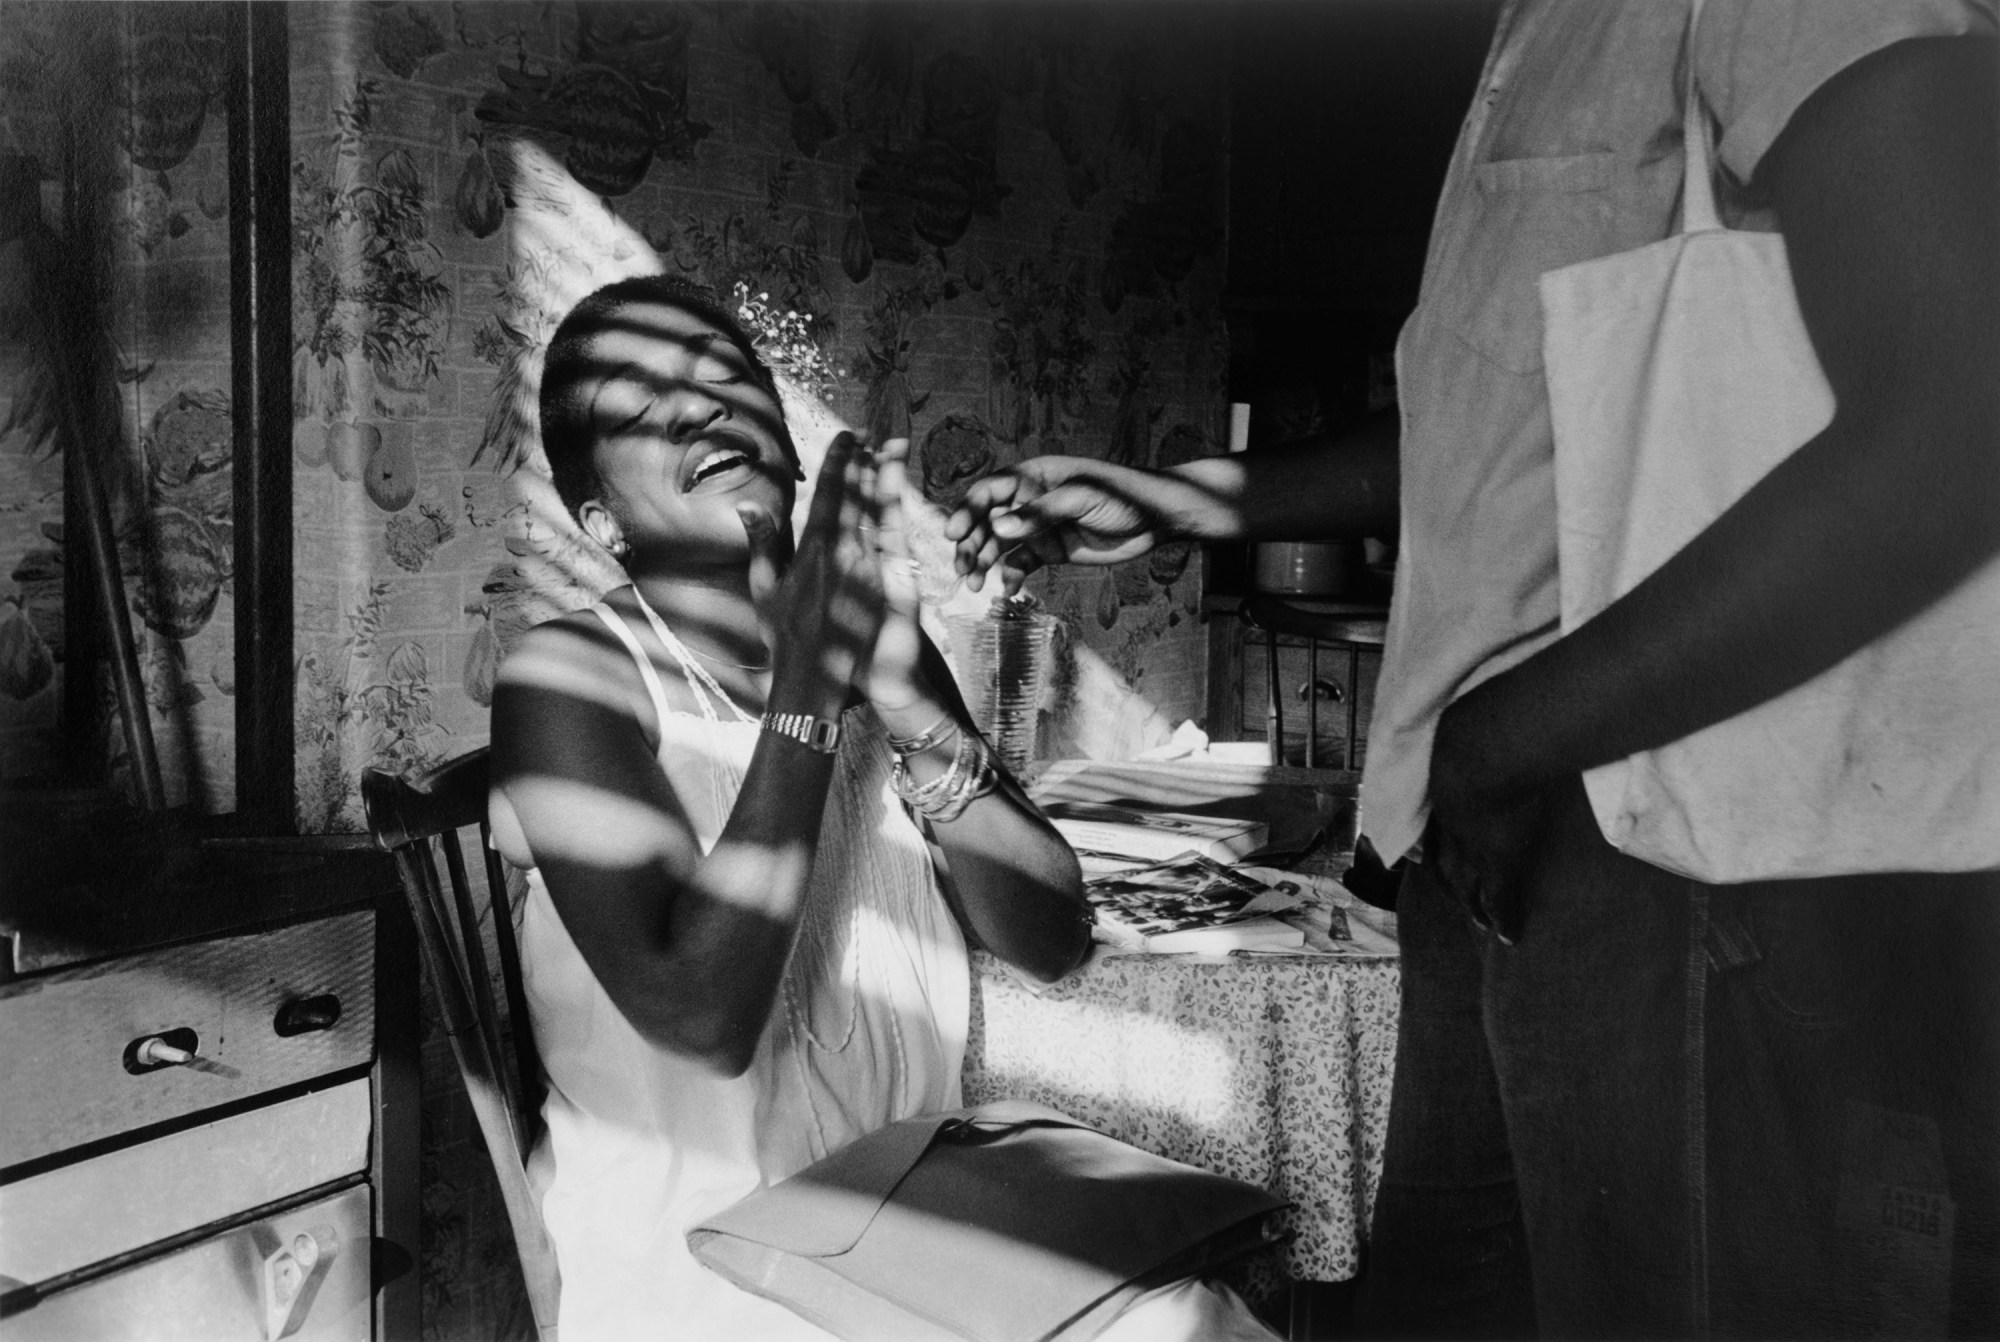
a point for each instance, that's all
(208, 1111)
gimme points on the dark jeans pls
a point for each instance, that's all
(1673, 1109)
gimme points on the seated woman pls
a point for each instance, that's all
(739, 955)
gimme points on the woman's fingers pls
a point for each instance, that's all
(843, 502)
(849, 498)
(857, 513)
(893, 673)
(830, 491)
(899, 575)
(764, 565)
(892, 477)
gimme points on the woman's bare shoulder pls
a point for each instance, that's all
(573, 662)
(575, 750)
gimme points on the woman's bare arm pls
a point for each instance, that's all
(1014, 884)
(690, 947)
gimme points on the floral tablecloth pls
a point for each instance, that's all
(1275, 1070)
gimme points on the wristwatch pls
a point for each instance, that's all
(821, 734)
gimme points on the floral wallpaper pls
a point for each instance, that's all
(994, 228)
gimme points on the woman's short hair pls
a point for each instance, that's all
(568, 436)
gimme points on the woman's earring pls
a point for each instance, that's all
(619, 548)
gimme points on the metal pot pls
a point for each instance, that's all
(1304, 568)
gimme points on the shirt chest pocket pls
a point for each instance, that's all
(1525, 216)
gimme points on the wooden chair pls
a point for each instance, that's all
(412, 820)
(1349, 628)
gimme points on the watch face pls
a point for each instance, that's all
(814, 733)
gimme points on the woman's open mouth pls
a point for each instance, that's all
(719, 462)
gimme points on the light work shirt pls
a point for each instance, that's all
(1571, 151)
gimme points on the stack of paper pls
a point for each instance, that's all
(1252, 934)
(1133, 835)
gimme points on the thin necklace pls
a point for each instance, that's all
(706, 657)
(740, 666)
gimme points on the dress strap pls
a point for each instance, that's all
(616, 623)
(697, 675)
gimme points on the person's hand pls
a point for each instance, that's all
(895, 681)
(821, 610)
(1049, 510)
(1484, 822)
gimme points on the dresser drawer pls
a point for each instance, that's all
(68, 1218)
(242, 1285)
(262, 1010)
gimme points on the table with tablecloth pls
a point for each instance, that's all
(1271, 1069)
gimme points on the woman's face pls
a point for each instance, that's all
(684, 438)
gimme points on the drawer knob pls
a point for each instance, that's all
(169, 1048)
(306, 1015)
(293, 1271)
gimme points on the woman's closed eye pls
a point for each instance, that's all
(718, 370)
(645, 410)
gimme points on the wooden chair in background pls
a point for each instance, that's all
(414, 820)
(1349, 629)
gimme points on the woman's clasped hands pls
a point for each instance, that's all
(839, 610)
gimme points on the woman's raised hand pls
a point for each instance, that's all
(822, 611)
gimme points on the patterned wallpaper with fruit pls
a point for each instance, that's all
(995, 228)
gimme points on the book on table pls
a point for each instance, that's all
(1190, 903)
(1130, 834)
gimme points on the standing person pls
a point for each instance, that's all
(1628, 1103)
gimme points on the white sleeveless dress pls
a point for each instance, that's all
(869, 1028)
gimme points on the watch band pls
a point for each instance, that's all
(821, 734)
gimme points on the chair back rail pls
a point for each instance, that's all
(528, 1065)
(471, 945)
(408, 817)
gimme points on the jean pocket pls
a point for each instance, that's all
(1803, 976)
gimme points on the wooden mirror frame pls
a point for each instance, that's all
(260, 319)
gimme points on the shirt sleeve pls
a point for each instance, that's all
(1756, 61)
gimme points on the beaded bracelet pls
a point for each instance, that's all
(924, 796)
(971, 776)
(980, 779)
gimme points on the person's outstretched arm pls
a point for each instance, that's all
(1887, 187)
(1014, 884)
(1079, 510)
